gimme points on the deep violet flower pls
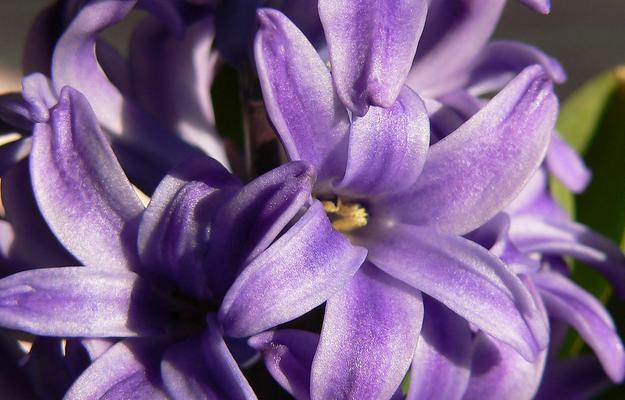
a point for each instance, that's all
(384, 189)
(146, 275)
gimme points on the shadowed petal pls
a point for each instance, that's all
(566, 301)
(250, 222)
(288, 355)
(464, 277)
(579, 378)
(78, 301)
(568, 166)
(566, 238)
(498, 372)
(175, 227)
(442, 359)
(301, 270)
(80, 187)
(455, 32)
(300, 99)
(129, 370)
(387, 148)
(477, 170)
(372, 44)
(203, 368)
(39, 94)
(370, 330)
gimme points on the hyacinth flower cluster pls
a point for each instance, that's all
(407, 246)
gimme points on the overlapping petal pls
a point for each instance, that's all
(298, 272)
(288, 355)
(300, 99)
(477, 170)
(464, 277)
(372, 44)
(370, 330)
(80, 187)
(578, 378)
(202, 368)
(442, 359)
(78, 302)
(567, 165)
(387, 148)
(39, 95)
(565, 300)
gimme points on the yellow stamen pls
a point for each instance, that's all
(345, 217)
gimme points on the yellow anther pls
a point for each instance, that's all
(345, 217)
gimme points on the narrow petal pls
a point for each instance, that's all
(202, 368)
(568, 166)
(80, 187)
(370, 330)
(560, 237)
(129, 370)
(387, 148)
(77, 301)
(442, 359)
(300, 99)
(498, 372)
(284, 281)
(40, 96)
(254, 217)
(455, 32)
(288, 355)
(500, 61)
(477, 170)
(466, 278)
(565, 300)
(15, 115)
(178, 93)
(542, 6)
(372, 45)
(175, 227)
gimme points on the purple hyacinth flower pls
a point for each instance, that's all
(382, 188)
(148, 271)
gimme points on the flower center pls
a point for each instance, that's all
(345, 217)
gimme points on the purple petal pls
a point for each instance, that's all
(13, 152)
(175, 227)
(466, 278)
(566, 238)
(387, 148)
(77, 301)
(476, 171)
(129, 370)
(300, 99)
(542, 6)
(254, 217)
(202, 368)
(285, 281)
(501, 60)
(455, 32)
(14, 114)
(175, 92)
(565, 300)
(440, 367)
(568, 166)
(498, 372)
(80, 187)
(579, 378)
(40, 96)
(372, 45)
(288, 355)
(370, 330)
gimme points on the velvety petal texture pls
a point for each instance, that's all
(288, 355)
(80, 187)
(284, 281)
(467, 279)
(370, 330)
(202, 368)
(300, 99)
(372, 44)
(387, 148)
(568, 166)
(565, 300)
(477, 170)
(442, 359)
(128, 370)
(39, 95)
(77, 301)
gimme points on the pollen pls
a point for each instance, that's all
(345, 217)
